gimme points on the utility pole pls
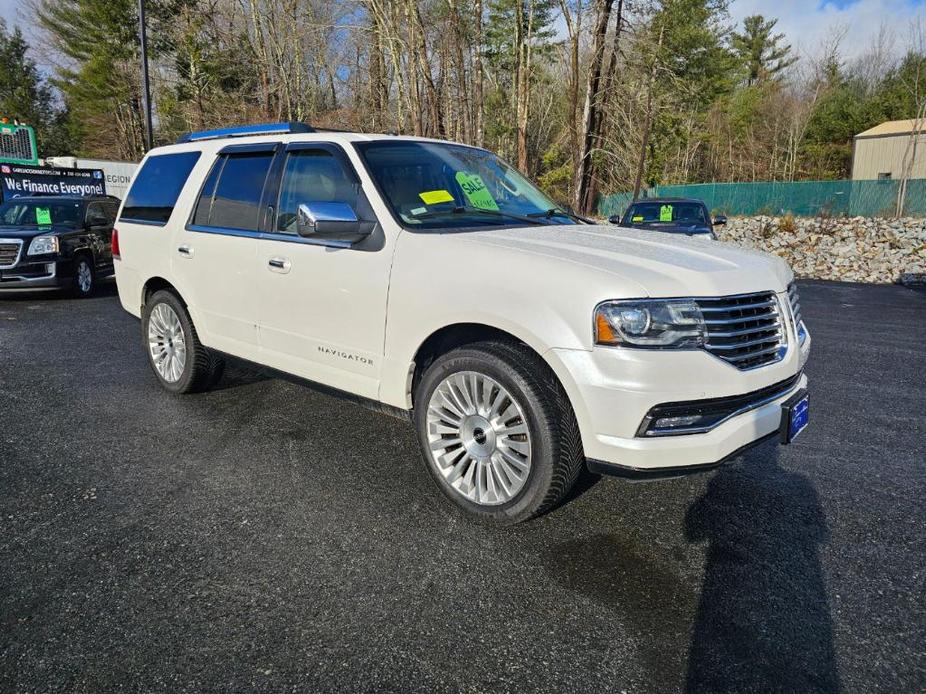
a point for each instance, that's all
(145, 85)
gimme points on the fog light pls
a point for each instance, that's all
(49, 268)
(675, 422)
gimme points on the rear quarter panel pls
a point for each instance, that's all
(148, 250)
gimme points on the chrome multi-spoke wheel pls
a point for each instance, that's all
(166, 342)
(84, 277)
(478, 438)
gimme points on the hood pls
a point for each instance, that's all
(640, 263)
(673, 228)
(27, 232)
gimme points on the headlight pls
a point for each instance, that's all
(43, 244)
(650, 323)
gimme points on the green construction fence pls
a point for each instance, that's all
(800, 198)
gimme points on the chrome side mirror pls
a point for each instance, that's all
(720, 219)
(615, 219)
(329, 220)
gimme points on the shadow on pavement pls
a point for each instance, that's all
(238, 374)
(763, 620)
(104, 290)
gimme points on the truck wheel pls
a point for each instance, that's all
(178, 359)
(84, 280)
(497, 431)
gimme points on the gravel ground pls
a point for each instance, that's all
(267, 537)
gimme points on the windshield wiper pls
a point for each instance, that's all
(556, 211)
(466, 209)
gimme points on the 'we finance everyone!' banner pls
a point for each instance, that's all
(19, 181)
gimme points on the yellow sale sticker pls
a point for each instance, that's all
(637, 218)
(665, 213)
(433, 197)
(42, 215)
(474, 188)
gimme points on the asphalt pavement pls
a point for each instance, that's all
(264, 536)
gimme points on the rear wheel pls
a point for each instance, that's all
(497, 431)
(175, 354)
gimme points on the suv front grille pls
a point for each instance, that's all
(745, 330)
(9, 253)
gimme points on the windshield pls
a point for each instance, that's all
(22, 213)
(665, 213)
(440, 186)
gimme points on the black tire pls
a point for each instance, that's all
(557, 457)
(203, 368)
(83, 262)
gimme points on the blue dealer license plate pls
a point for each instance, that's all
(795, 413)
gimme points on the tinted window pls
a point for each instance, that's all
(40, 212)
(666, 212)
(204, 206)
(312, 176)
(94, 212)
(236, 203)
(157, 187)
(111, 209)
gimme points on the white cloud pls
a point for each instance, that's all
(807, 24)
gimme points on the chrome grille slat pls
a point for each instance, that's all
(750, 355)
(795, 303)
(9, 252)
(745, 319)
(746, 330)
(748, 343)
(737, 307)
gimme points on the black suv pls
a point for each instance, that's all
(671, 215)
(56, 242)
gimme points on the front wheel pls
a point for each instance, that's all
(84, 280)
(175, 354)
(497, 431)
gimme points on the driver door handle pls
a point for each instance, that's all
(279, 264)
(185, 251)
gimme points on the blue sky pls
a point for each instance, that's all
(808, 23)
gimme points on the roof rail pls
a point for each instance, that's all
(245, 130)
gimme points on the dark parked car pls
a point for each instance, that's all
(671, 215)
(56, 242)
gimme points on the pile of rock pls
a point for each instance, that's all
(856, 249)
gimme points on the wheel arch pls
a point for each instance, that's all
(156, 284)
(449, 337)
(84, 251)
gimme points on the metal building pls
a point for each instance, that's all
(883, 152)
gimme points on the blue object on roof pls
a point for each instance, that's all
(245, 130)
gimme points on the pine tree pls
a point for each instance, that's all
(25, 95)
(762, 53)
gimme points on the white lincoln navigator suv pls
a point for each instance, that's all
(433, 281)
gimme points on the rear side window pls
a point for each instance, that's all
(206, 195)
(157, 187)
(231, 194)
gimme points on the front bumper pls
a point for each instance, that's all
(35, 275)
(614, 391)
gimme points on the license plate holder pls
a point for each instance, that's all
(795, 414)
